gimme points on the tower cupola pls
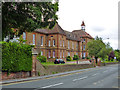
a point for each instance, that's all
(83, 26)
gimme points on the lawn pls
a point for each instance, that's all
(109, 61)
(71, 60)
(52, 63)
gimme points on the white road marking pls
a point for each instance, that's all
(80, 78)
(94, 74)
(52, 85)
(105, 71)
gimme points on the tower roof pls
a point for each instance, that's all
(83, 24)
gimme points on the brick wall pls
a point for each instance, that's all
(14, 75)
(59, 47)
(62, 68)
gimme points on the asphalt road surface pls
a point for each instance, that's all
(100, 77)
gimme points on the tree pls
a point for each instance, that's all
(111, 56)
(95, 46)
(117, 54)
(27, 16)
(105, 51)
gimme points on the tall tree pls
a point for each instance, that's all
(98, 48)
(27, 16)
(105, 51)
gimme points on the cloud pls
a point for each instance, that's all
(97, 29)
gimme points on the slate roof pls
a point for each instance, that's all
(74, 35)
(56, 29)
(82, 33)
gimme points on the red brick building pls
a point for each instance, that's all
(58, 43)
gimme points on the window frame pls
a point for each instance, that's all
(54, 42)
(49, 43)
(41, 53)
(33, 39)
(53, 54)
(49, 54)
(41, 40)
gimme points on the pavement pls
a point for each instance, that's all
(40, 77)
(100, 77)
(84, 61)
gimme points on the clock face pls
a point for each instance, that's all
(83, 27)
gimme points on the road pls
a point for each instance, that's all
(100, 77)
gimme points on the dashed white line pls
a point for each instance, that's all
(105, 71)
(52, 85)
(80, 78)
(94, 74)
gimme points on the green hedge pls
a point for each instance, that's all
(76, 57)
(16, 57)
(68, 58)
(42, 58)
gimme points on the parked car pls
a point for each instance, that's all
(59, 61)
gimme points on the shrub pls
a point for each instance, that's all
(76, 57)
(88, 58)
(38, 73)
(83, 57)
(69, 58)
(16, 57)
(42, 58)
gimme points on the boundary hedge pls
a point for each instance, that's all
(16, 57)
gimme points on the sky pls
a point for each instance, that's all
(100, 17)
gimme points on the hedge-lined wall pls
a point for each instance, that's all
(16, 57)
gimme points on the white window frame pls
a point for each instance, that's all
(54, 43)
(33, 39)
(63, 43)
(49, 54)
(68, 53)
(60, 43)
(49, 43)
(83, 47)
(24, 35)
(41, 53)
(84, 40)
(84, 54)
(53, 54)
(63, 54)
(41, 40)
(76, 53)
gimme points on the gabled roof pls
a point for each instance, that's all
(82, 33)
(56, 29)
(74, 35)
(71, 36)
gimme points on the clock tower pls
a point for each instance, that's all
(83, 26)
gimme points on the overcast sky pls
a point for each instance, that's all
(100, 17)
